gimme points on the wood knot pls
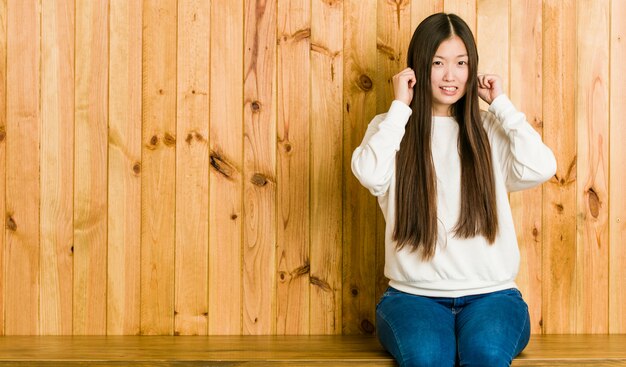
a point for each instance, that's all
(161, 91)
(154, 141)
(256, 106)
(535, 232)
(169, 140)
(137, 168)
(221, 165)
(258, 180)
(233, 216)
(11, 225)
(354, 292)
(194, 135)
(559, 207)
(287, 147)
(594, 202)
(365, 82)
(367, 326)
(3, 134)
(301, 270)
(282, 276)
(321, 284)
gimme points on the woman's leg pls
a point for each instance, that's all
(492, 329)
(416, 330)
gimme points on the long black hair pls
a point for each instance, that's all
(416, 184)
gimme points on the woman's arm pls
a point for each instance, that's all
(526, 161)
(373, 162)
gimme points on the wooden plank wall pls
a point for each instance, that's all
(182, 167)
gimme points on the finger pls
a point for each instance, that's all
(481, 81)
(412, 82)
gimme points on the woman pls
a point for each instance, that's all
(441, 170)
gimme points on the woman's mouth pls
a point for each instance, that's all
(449, 91)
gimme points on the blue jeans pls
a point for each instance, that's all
(480, 330)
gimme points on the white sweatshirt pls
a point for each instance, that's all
(459, 267)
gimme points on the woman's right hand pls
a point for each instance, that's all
(403, 84)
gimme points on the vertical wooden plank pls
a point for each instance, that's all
(124, 202)
(22, 167)
(57, 167)
(559, 204)
(158, 202)
(3, 156)
(326, 165)
(466, 9)
(293, 69)
(192, 179)
(259, 200)
(226, 160)
(90, 157)
(359, 250)
(492, 39)
(420, 9)
(592, 120)
(393, 37)
(526, 94)
(617, 197)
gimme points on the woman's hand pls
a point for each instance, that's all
(403, 84)
(489, 87)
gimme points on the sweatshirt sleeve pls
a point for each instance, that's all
(373, 162)
(525, 160)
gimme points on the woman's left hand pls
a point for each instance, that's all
(489, 87)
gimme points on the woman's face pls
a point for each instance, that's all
(448, 75)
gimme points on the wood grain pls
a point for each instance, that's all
(23, 128)
(294, 102)
(526, 93)
(543, 350)
(3, 151)
(592, 121)
(90, 157)
(192, 166)
(465, 9)
(617, 173)
(359, 220)
(225, 202)
(57, 167)
(420, 9)
(492, 40)
(559, 195)
(124, 205)
(259, 152)
(326, 168)
(158, 191)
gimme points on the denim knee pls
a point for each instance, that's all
(429, 354)
(487, 355)
(415, 330)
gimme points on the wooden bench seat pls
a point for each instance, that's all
(543, 350)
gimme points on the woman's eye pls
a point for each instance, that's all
(438, 63)
(462, 62)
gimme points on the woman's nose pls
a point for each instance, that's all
(447, 75)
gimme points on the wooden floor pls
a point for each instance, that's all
(553, 350)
